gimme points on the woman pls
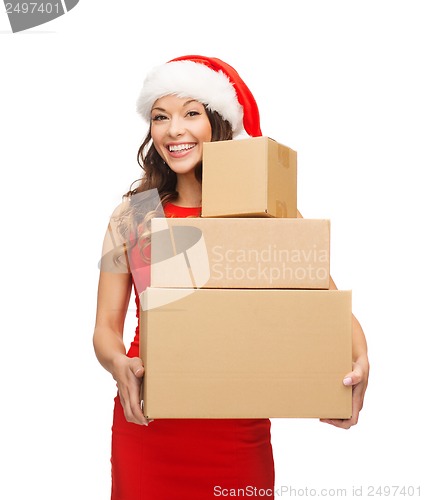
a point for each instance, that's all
(188, 101)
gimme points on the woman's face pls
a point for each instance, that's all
(179, 127)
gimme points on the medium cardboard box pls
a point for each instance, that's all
(212, 353)
(240, 253)
(254, 177)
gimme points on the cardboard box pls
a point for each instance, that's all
(246, 353)
(254, 177)
(240, 253)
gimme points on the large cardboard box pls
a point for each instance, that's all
(254, 177)
(240, 253)
(212, 353)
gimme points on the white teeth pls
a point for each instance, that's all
(180, 147)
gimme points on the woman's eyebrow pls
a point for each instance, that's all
(185, 104)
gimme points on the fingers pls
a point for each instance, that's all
(137, 367)
(340, 423)
(354, 377)
(347, 423)
(359, 373)
(357, 381)
(129, 384)
(135, 413)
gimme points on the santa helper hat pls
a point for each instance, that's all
(208, 80)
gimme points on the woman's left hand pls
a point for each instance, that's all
(358, 379)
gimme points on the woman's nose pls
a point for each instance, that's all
(176, 127)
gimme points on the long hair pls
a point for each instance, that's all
(134, 220)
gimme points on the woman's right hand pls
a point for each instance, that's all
(128, 373)
(112, 304)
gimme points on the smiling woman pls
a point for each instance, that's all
(187, 102)
(157, 173)
(178, 129)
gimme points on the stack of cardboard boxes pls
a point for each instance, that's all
(239, 321)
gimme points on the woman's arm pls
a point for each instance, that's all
(358, 377)
(114, 293)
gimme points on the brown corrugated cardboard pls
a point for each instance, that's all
(254, 177)
(245, 353)
(240, 253)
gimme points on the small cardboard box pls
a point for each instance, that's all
(254, 177)
(240, 253)
(212, 353)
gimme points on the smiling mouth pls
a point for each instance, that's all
(180, 147)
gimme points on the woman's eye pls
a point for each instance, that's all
(193, 113)
(158, 118)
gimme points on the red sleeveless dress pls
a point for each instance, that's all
(189, 459)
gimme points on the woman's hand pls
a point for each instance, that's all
(112, 305)
(128, 373)
(358, 379)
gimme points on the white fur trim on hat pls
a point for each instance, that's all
(195, 80)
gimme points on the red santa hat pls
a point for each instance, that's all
(210, 81)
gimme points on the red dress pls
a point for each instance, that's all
(190, 459)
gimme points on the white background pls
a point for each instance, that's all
(340, 82)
